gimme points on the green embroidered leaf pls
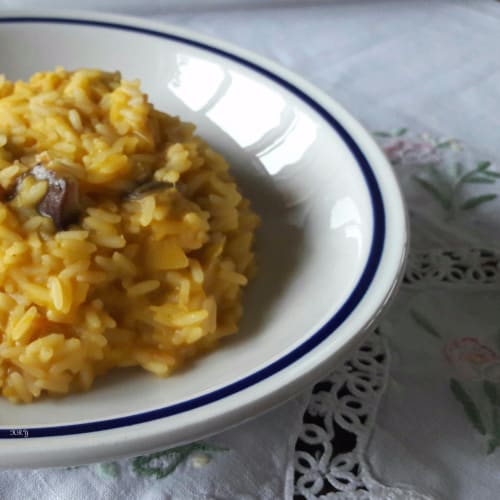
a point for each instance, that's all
(207, 447)
(468, 405)
(163, 463)
(492, 443)
(479, 180)
(445, 144)
(491, 173)
(396, 133)
(109, 470)
(424, 323)
(483, 165)
(168, 461)
(477, 200)
(480, 172)
(435, 192)
(469, 175)
(490, 389)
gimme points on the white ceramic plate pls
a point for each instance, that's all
(330, 248)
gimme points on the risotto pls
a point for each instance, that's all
(124, 241)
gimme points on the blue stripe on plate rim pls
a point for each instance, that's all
(314, 340)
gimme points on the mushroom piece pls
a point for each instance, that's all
(62, 201)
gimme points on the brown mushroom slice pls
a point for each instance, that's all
(62, 201)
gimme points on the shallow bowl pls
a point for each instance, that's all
(330, 249)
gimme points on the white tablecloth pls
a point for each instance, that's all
(415, 413)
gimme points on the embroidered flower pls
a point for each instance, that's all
(394, 151)
(411, 152)
(469, 356)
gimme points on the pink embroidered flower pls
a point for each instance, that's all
(469, 356)
(394, 151)
(411, 152)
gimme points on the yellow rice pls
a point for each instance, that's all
(150, 280)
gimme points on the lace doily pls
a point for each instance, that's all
(471, 268)
(336, 426)
(329, 456)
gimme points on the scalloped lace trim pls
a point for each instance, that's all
(338, 422)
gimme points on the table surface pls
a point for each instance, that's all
(414, 414)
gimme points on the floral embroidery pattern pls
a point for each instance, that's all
(445, 182)
(421, 149)
(160, 464)
(469, 356)
(472, 361)
(163, 463)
